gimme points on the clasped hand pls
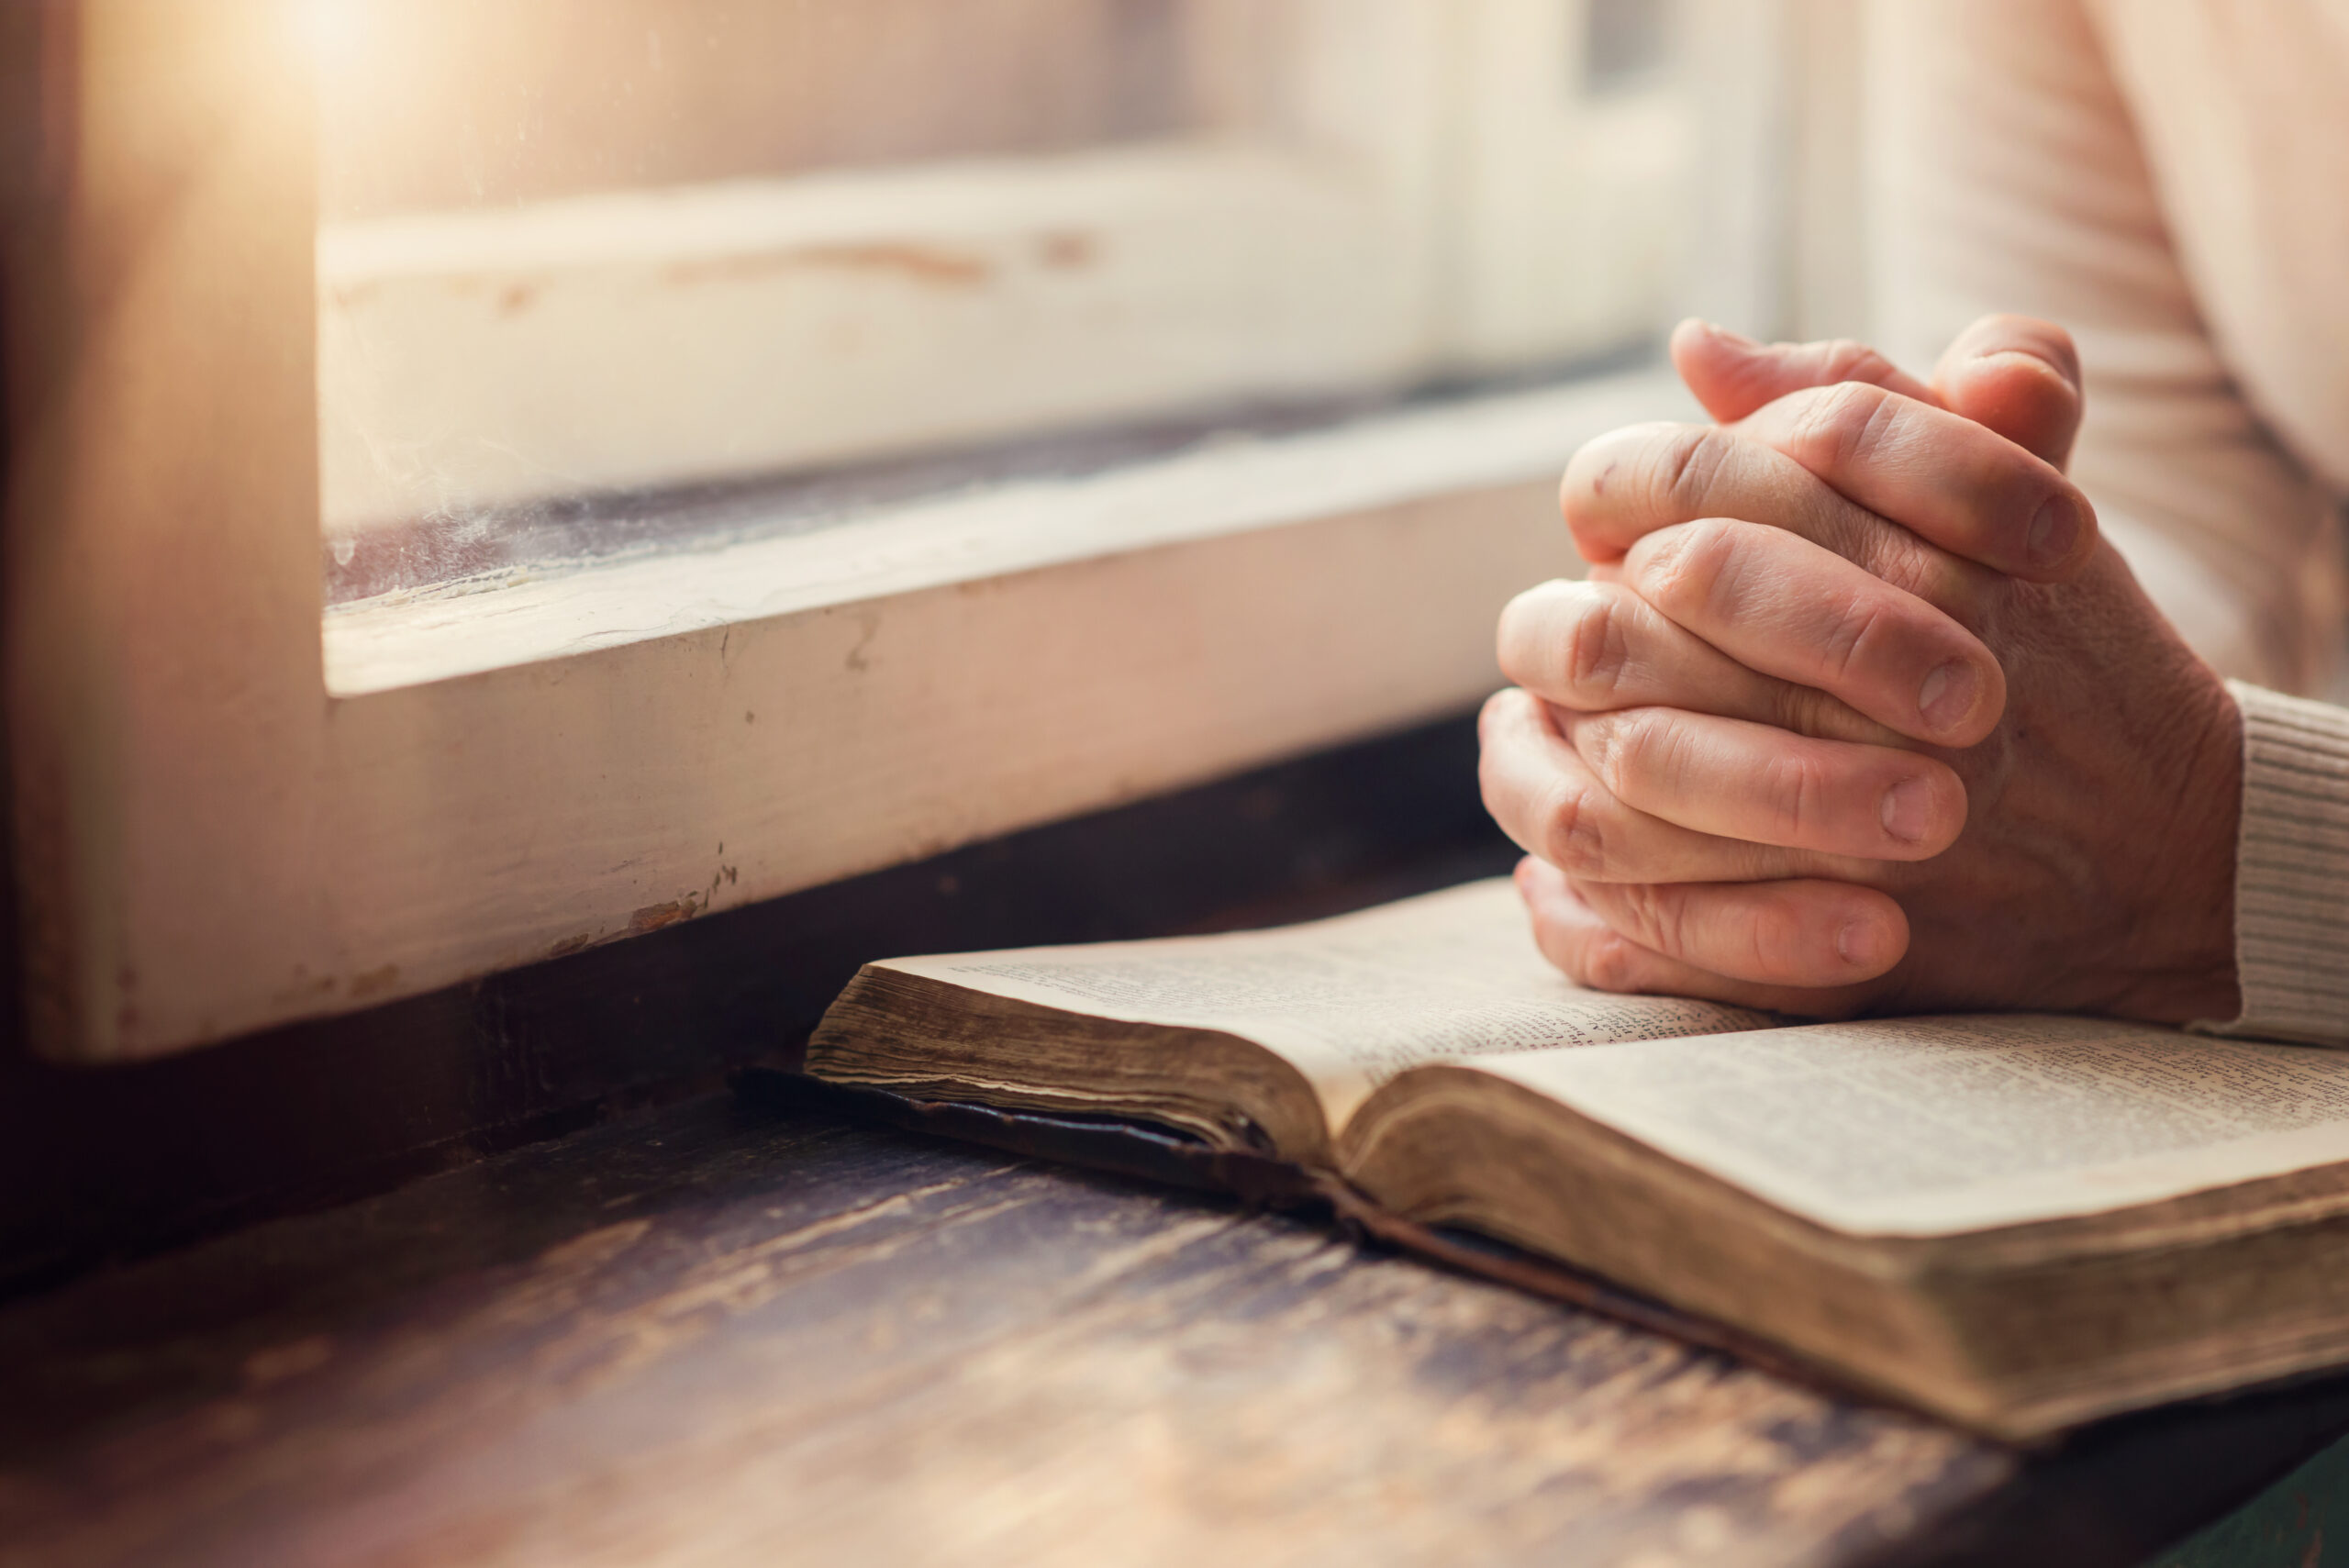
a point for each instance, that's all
(1858, 711)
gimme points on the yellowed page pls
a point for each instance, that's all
(1921, 1126)
(1349, 1002)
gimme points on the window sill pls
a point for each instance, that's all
(1363, 467)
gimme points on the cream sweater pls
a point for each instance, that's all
(2170, 180)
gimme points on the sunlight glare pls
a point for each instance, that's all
(334, 32)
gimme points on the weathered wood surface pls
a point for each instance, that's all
(104, 1167)
(720, 1335)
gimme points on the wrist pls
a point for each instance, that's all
(2183, 924)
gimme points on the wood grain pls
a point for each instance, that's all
(708, 1337)
(719, 1334)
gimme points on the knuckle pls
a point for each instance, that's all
(1793, 793)
(1596, 646)
(1847, 359)
(1652, 753)
(1858, 628)
(1610, 963)
(1574, 835)
(1903, 559)
(1842, 426)
(1807, 710)
(1958, 588)
(1793, 708)
(1685, 567)
(1900, 558)
(1615, 745)
(1660, 917)
(1775, 938)
(1686, 468)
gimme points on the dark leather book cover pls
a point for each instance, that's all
(1151, 1152)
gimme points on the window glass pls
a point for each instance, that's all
(443, 103)
(601, 276)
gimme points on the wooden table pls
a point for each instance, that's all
(718, 1333)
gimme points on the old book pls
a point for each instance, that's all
(2018, 1222)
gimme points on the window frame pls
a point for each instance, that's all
(211, 842)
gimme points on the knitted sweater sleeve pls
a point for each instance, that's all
(2292, 870)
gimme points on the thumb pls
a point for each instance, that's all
(1732, 375)
(2019, 376)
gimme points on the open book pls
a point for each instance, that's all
(2019, 1222)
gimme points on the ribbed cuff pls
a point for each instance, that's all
(2292, 870)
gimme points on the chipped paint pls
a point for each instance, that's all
(374, 982)
(869, 627)
(653, 917)
(305, 987)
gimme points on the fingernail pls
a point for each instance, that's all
(1948, 695)
(1726, 335)
(1861, 945)
(1908, 811)
(2054, 531)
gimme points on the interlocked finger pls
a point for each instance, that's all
(1732, 375)
(1547, 799)
(1633, 482)
(1574, 937)
(1784, 607)
(1946, 479)
(1738, 780)
(1599, 647)
(1806, 934)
